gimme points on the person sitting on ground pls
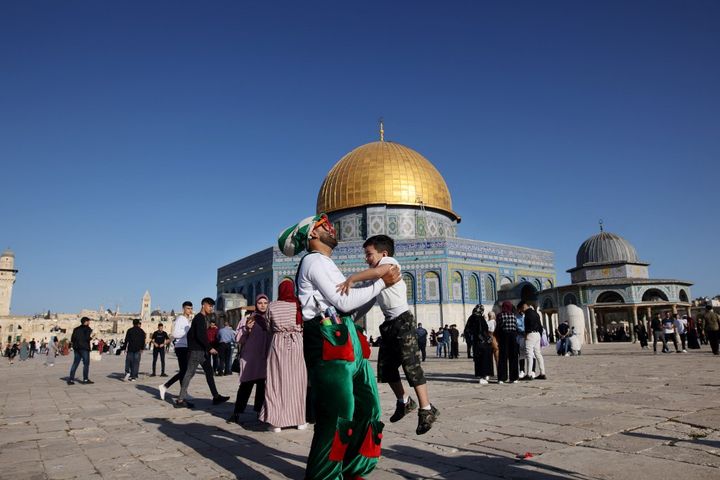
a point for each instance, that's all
(563, 344)
(399, 345)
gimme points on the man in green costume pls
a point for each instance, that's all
(348, 430)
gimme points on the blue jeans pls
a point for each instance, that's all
(132, 363)
(83, 355)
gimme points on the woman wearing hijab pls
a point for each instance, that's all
(253, 337)
(477, 329)
(286, 383)
(24, 350)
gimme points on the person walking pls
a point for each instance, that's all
(159, 340)
(668, 325)
(80, 341)
(454, 342)
(642, 335)
(477, 329)
(33, 348)
(533, 332)
(24, 350)
(447, 341)
(199, 355)
(345, 401)
(52, 348)
(253, 337)
(692, 334)
(681, 330)
(226, 337)
(179, 333)
(212, 332)
(134, 345)
(422, 336)
(657, 332)
(286, 384)
(711, 322)
(508, 344)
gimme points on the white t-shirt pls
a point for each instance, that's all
(491, 325)
(180, 329)
(393, 300)
(318, 278)
(681, 325)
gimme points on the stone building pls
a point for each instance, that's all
(387, 188)
(7, 280)
(610, 288)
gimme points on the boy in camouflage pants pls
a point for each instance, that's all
(399, 346)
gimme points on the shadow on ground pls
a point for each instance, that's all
(233, 452)
(472, 465)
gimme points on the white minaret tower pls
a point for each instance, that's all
(145, 310)
(7, 280)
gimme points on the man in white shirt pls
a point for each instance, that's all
(179, 333)
(348, 430)
(681, 329)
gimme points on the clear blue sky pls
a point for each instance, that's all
(143, 144)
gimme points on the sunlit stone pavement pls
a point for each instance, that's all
(615, 412)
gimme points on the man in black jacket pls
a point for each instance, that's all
(533, 332)
(134, 345)
(80, 341)
(200, 351)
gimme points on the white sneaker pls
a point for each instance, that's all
(514, 381)
(522, 373)
(274, 429)
(302, 427)
(531, 374)
(500, 382)
(162, 389)
(127, 377)
(684, 351)
(483, 381)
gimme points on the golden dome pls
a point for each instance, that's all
(384, 173)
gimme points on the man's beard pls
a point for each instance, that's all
(328, 240)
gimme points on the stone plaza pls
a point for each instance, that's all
(614, 412)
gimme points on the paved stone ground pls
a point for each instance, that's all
(613, 413)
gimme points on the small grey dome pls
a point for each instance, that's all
(607, 248)
(8, 253)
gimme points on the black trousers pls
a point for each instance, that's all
(507, 343)
(454, 349)
(713, 337)
(182, 358)
(243, 395)
(159, 351)
(223, 353)
(422, 347)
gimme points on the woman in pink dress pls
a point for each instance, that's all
(286, 383)
(253, 337)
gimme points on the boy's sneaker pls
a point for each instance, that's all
(402, 409)
(127, 377)
(163, 390)
(426, 418)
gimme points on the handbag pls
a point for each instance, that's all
(235, 367)
(544, 340)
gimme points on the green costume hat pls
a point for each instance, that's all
(295, 239)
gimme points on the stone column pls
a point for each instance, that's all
(674, 308)
(634, 323)
(593, 326)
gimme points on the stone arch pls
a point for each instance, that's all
(457, 286)
(505, 283)
(569, 299)
(610, 296)
(654, 295)
(683, 295)
(548, 284)
(547, 303)
(538, 285)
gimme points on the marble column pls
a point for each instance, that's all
(593, 326)
(634, 323)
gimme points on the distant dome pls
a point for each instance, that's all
(8, 253)
(605, 248)
(384, 173)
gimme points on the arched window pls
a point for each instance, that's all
(547, 304)
(410, 291)
(432, 287)
(683, 296)
(538, 285)
(569, 299)
(610, 297)
(457, 286)
(505, 283)
(654, 295)
(548, 284)
(474, 289)
(490, 292)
